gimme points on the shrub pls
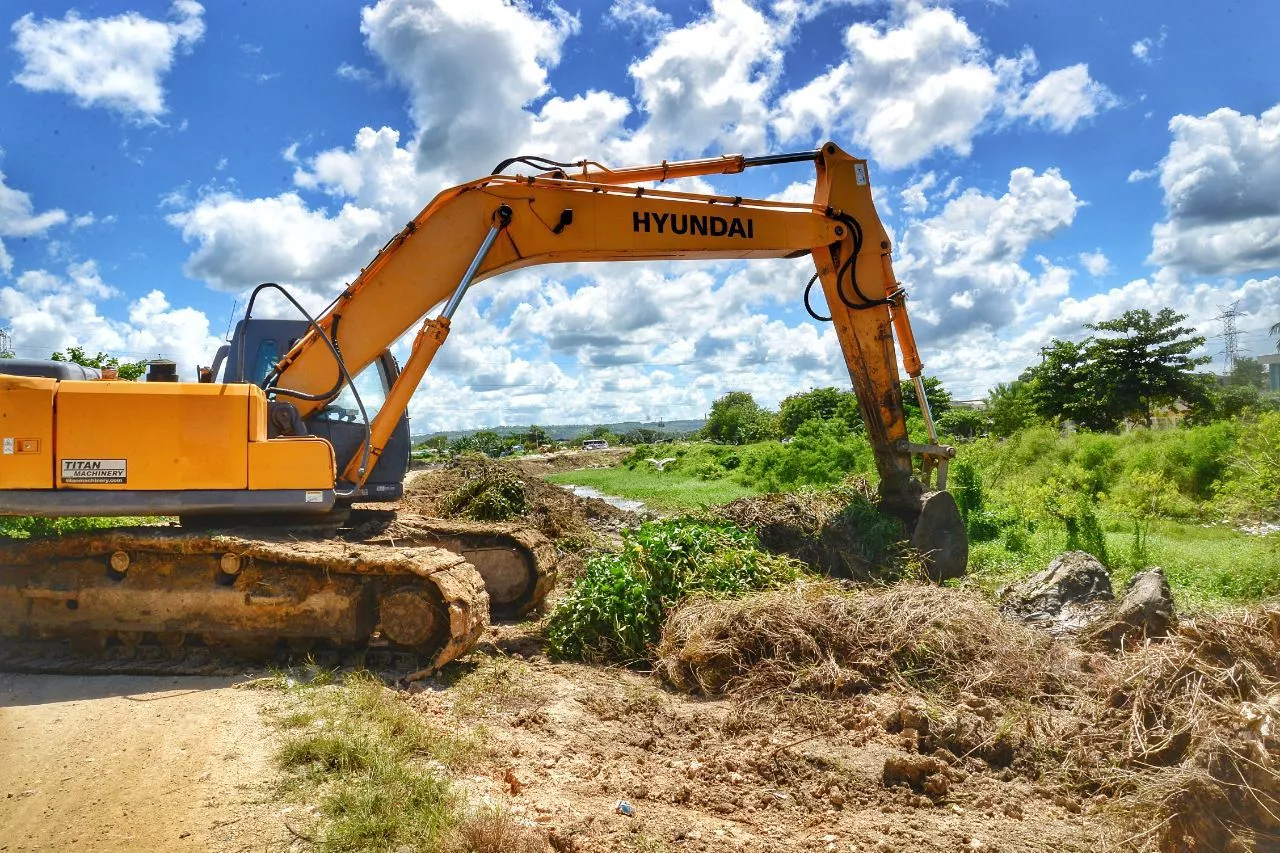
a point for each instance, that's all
(1251, 484)
(615, 610)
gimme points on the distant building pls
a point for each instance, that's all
(1273, 364)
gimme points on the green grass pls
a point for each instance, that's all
(660, 490)
(372, 766)
(1208, 567)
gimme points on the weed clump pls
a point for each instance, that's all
(615, 610)
(819, 640)
(837, 531)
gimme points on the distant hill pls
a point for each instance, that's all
(567, 432)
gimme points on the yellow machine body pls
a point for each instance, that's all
(139, 447)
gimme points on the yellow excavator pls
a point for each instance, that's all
(295, 422)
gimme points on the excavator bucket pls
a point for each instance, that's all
(940, 537)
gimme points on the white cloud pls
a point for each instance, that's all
(1062, 99)
(640, 14)
(964, 266)
(45, 312)
(470, 69)
(1221, 182)
(1095, 263)
(707, 84)
(924, 82)
(1139, 175)
(18, 218)
(1144, 49)
(117, 63)
(356, 74)
(913, 196)
(242, 242)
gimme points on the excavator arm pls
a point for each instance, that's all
(585, 212)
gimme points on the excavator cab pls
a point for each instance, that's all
(256, 347)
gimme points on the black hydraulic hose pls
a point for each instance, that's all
(534, 162)
(850, 267)
(808, 306)
(345, 376)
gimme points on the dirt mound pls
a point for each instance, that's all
(476, 482)
(837, 532)
(1179, 738)
(817, 639)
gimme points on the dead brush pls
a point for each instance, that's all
(1186, 734)
(820, 640)
(837, 531)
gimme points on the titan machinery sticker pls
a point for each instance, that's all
(94, 470)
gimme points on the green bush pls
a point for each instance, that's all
(1250, 487)
(615, 610)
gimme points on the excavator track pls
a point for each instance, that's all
(168, 600)
(518, 563)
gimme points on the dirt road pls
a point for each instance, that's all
(133, 763)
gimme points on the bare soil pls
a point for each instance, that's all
(129, 763)
(566, 742)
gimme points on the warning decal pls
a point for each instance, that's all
(94, 470)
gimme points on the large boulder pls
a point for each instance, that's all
(1146, 612)
(1065, 598)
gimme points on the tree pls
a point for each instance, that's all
(1059, 383)
(1010, 407)
(1147, 363)
(641, 435)
(130, 370)
(1248, 371)
(820, 404)
(939, 398)
(1139, 363)
(962, 422)
(6, 344)
(536, 437)
(439, 441)
(736, 418)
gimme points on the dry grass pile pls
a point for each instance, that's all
(838, 532)
(476, 481)
(1187, 733)
(817, 639)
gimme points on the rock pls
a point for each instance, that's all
(921, 773)
(1145, 613)
(911, 713)
(1065, 597)
(514, 783)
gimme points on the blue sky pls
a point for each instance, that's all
(1040, 165)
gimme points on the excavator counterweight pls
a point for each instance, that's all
(308, 419)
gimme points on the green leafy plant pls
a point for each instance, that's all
(615, 610)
